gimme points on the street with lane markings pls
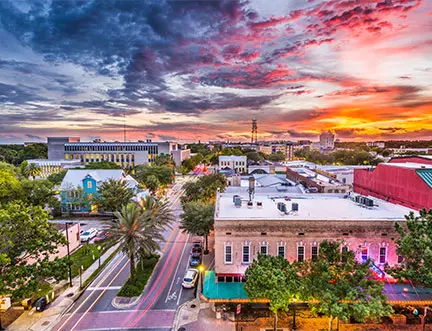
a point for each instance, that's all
(156, 308)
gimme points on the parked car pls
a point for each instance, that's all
(196, 244)
(194, 261)
(88, 235)
(41, 304)
(102, 235)
(196, 251)
(190, 278)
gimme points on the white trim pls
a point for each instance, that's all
(304, 252)
(264, 244)
(284, 247)
(225, 246)
(317, 247)
(249, 253)
(385, 255)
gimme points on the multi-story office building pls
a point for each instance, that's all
(285, 149)
(326, 140)
(125, 154)
(233, 162)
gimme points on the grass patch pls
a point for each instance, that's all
(144, 269)
(98, 270)
(86, 255)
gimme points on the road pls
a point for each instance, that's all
(157, 306)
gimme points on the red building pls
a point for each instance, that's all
(403, 181)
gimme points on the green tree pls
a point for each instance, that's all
(81, 198)
(342, 287)
(113, 194)
(38, 192)
(139, 230)
(276, 157)
(10, 187)
(415, 246)
(32, 170)
(164, 174)
(273, 278)
(164, 160)
(57, 177)
(198, 219)
(386, 153)
(26, 235)
(254, 156)
(204, 189)
(102, 165)
(152, 183)
(190, 163)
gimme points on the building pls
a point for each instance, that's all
(125, 154)
(233, 162)
(48, 167)
(405, 183)
(90, 182)
(294, 225)
(326, 140)
(180, 155)
(285, 149)
(317, 181)
(380, 144)
(403, 150)
(343, 174)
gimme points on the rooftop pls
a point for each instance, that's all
(74, 177)
(232, 157)
(310, 207)
(409, 165)
(316, 177)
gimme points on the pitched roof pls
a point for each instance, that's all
(74, 177)
(426, 175)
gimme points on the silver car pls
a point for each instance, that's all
(190, 278)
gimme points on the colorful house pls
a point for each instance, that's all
(79, 186)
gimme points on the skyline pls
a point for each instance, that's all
(200, 70)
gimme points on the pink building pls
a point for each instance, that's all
(294, 225)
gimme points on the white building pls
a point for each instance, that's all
(233, 162)
(326, 140)
(48, 167)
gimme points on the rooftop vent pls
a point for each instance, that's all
(281, 207)
(259, 204)
(237, 202)
(250, 204)
(294, 206)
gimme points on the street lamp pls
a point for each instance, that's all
(68, 254)
(99, 250)
(201, 270)
(294, 327)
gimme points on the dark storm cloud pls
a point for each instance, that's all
(18, 94)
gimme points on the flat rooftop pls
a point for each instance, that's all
(409, 165)
(316, 177)
(310, 207)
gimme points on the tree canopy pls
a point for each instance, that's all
(204, 189)
(338, 286)
(164, 174)
(113, 194)
(102, 165)
(415, 247)
(26, 235)
(198, 219)
(16, 154)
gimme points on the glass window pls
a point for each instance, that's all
(246, 254)
(300, 253)
(221, 279)
(263, 249)
(228, 254)
(382, 255)
(314, 253)
(89, 184)
(364, 254)
(281, 251)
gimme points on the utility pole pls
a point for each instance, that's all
(124, 126)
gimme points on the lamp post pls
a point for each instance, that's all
(68, 253)
(99, 250)
(294, 327)
(201, 270)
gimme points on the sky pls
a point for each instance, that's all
(202, 70)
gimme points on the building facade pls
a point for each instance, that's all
(124, 154)
(243, 231)
(48, 167)
(317, 180)
(405, 183)
(285, 149)
(233, 162)
(89, 181)
(180, 155)
(326, 140)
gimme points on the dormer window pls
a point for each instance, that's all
(89, 184)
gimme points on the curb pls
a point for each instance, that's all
(175, 325)
(134, 302)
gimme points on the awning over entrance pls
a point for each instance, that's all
(222, 292)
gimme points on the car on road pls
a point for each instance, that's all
(102, 235)
(194, 261)
(88, 235)
(196, 251)
(196, 244)
(41, 304)
(190, 278)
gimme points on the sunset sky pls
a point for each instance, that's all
(190, 70)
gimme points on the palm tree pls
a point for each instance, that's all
(32, 170)
(139, 229)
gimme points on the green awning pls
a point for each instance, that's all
(222, 291)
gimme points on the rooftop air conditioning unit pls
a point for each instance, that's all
(237, 202)
(294, 206)
(281, 207)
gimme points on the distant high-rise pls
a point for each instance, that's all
(326, 140)
(254, 137)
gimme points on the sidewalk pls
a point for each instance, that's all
(44, 321)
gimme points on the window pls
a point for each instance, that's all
(228, 254)
(382, 255)
(314, 253)
(246, 254)
(281, 251)
(221, 279)
(228, 279)
(89, 184)
(364, 254)
(263, 249)
(343, 254)
(300, 253)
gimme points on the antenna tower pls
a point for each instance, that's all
(124, 126)
(254, 137)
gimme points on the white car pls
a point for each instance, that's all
(88, 235)
(190, 278)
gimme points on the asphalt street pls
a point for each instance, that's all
(157, 306)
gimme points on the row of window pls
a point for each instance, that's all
(301, 253)
(111, 148)
(234, 163)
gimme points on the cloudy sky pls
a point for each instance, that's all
(192, 70)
